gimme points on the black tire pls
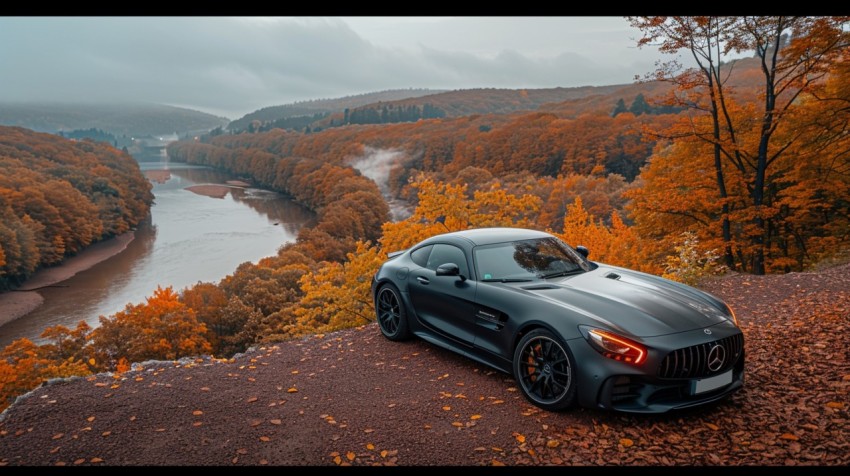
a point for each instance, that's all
(391, 314)
(545, 370)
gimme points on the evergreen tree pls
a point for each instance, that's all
(620, 107)
(640, 106)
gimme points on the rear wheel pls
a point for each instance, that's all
(545, 370)
(392, 317)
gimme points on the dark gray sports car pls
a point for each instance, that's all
(568, 329)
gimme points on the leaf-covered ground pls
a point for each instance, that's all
(353, 397)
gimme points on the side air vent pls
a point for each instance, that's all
(539, 287)
(612, 276)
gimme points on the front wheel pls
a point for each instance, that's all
(545, 370)
(392, 317)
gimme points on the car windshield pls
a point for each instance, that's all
(541, 258)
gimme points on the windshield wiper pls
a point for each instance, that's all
(558, 274)
(506, 280)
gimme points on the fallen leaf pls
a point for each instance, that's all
(275, 421)
(80, 461)
(383, 453)
(457, 424)
(497, 463)
(370, 446)
(712, 426)
(835, 405)
(265, 438)
(553, 443)
(197, 423)
(205, 389)
(789, 436)
(58, 435)
(368, 430)
(95, 460)
(475, 417)
(242, 451)
(337, 459)
(197, 413)
(254, 421)
(626, 442)
(106, 433)
(350, 455)
(251, 400)
(520, 438)
(447, 408)
(292, 390)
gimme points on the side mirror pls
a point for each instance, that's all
(450, 269)
(582, 251)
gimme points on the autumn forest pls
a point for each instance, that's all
(732, 164)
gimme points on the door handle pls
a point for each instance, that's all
(423, 280)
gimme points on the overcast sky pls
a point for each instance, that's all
(231, 66)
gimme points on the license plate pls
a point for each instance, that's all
(711, 383)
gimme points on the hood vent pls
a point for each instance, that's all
(612, 276)
(539, 287)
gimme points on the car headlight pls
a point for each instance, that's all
(615, 346)
(731, 312)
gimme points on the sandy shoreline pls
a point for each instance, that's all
(15, 304)
(211, 190)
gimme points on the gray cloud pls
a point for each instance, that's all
(231, 66)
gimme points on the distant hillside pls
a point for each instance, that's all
(743, 84)
(310, 108)
(132, 119)
(493, 101)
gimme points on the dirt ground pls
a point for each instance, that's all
(353, 397)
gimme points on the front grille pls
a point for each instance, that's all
(693, 362)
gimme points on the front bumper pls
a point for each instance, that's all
(608, 384)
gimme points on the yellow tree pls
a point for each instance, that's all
(337, 295)
(617, 245)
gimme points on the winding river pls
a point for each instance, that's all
(201, 228)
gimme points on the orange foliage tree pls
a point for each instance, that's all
(161, 328)
(749, 144)
(24, 366)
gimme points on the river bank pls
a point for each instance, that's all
(18, 303)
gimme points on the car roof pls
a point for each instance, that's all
(487, 236)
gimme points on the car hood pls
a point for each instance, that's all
(635, 303)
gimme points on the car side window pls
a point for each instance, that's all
(442, 254)
(420, 256)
